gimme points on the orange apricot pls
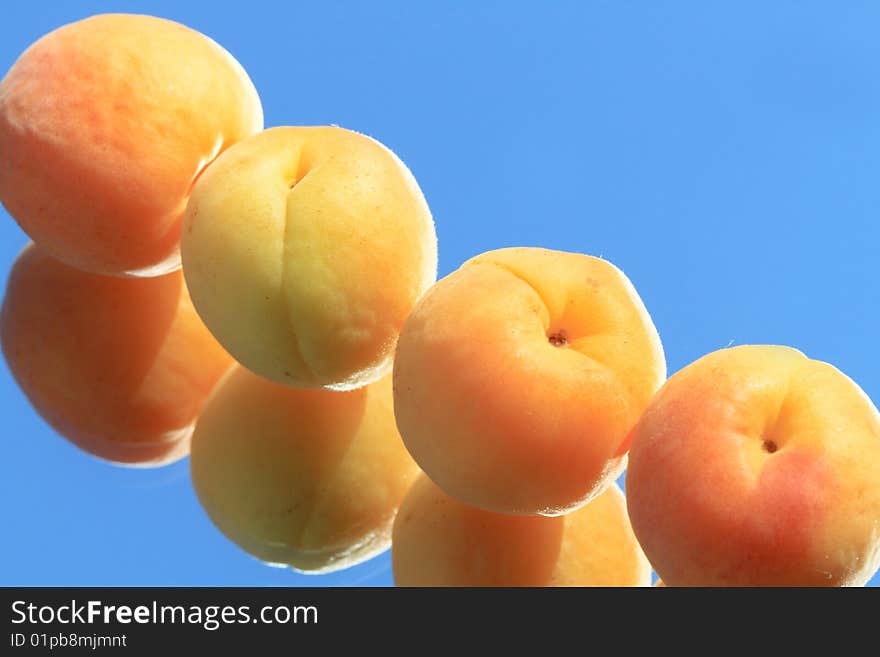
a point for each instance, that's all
(438, 541)
(121, 367)
(310, 479)
(518, 377)
(305, 249)
(757, 466)
(105, 124)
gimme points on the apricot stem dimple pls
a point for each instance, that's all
(558, 338)
(770, 446)
(303, 166)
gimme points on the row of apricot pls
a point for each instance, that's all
(521, 382)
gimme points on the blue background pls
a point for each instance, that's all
(725, 157)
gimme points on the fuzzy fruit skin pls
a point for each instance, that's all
(757, 466)
(121, 367)
(105, 124)
(309, 479)
(439, 541)
(305, 249)
(518, 377)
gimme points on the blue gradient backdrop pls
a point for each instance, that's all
(727, 158)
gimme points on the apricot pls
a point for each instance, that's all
(518, 377)
(305, 478)
(105, 124)
(121, 367)
(438, 541)
(305, 249)
(757, 466)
